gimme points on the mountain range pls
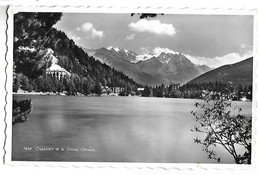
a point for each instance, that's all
(238, 73)
(46, 60)
(150, 69)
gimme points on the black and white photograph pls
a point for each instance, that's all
(132, 87)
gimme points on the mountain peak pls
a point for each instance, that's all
(166, 57)
(114, 48)
(144, 57)
(150, 68)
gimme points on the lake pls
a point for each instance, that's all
(111, 129)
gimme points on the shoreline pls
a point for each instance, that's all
(60, 94)
(94, 95)
(34, 93)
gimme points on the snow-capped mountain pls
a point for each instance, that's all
(171, 68)
(150, 68)
(123, 53)
(144, 57)
(105, 54)
(113, 48)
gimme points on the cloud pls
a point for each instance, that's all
(85, 27)
(153, 26)
(96, 33)
(89, 27)
(159, 50)
(130, 37)
(74, 37)
(215, 62)
(144, 50)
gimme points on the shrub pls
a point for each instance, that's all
(223, 127)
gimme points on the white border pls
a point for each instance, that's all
(111, 9)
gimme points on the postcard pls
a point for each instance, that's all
(149, 87)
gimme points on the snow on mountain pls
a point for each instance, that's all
(164, 55)
(122, 53)
(110, 48)
(164, 58)
(161, 66)
(144, 57)
(127, 52)
(114, 48)
(158, 50)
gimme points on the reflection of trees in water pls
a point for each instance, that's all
(21, 110)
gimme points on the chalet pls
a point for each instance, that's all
(117, 90)
(175, 86)
(58, 73)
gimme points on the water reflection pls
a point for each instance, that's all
(120, 129)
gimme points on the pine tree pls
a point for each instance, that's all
(98, 88)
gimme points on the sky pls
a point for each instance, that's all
(212, 40)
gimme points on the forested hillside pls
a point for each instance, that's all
(37, 44)
(236, 77)
(239, 73)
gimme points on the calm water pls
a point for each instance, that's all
(114, 129)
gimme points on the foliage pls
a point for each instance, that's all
(98, 88)
(146, 15)
(30, 31)
(37, 42)
(21, 110)
(218, 86)
(195, 90)
(223, 126)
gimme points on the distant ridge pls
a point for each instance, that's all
(239, 73)
(150, 69)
